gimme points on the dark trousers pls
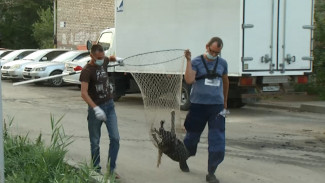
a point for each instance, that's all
(197, 118)
(94, 128)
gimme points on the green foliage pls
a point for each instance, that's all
(34, 162)
(319, 50)
(43, 28)
(16, 18)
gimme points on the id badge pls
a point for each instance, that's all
(212, 82)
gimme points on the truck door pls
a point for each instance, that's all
(259, 29)
(295, 34)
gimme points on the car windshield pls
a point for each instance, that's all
(35, 55)
(68, 56)
(11, 55)
(84, 60)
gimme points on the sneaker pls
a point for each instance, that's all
(183, 166)
(211, 178)
(117, 176)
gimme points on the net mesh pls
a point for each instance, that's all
(159, 76)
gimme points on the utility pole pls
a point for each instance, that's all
(2, 162)
(55, 23)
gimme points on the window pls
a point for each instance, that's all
(81, 56)
(50, 56)
(23, 54)
(4, 53)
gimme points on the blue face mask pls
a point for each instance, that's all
(210, 57)
(99, 62)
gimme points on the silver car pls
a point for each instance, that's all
(75, 66)
(54, 67)
(14, 70)
(16, 55)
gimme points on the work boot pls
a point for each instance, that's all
(183, 166)
(211, 178)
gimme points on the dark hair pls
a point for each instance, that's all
(96, 48)
(216, 39)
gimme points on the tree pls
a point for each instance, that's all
(43, 28)
(319, 47)
(16, 18)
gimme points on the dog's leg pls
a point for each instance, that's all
(155, 138)
(173, 123)
(160, 153)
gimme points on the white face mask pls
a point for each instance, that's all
(99, 62)
(210, 57)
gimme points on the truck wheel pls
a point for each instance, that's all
(185, 97)
(116, 98)
(235, 103)
(113, 91)
(56, 82)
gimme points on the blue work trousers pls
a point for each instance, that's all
(197, 118)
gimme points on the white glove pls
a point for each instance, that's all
(100, 114)
(224, 113)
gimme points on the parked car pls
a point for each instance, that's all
(74, 66)
(16, 55)
(14, 70)
(54, 67)
(4, 52)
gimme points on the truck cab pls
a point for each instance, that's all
(122, 82)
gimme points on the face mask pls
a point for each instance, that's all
(210, 57)
(99, 62)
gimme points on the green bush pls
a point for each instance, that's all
(34, 162)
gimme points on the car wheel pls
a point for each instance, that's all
(185, 97)
(56, 82)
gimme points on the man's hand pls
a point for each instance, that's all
(187, 54)
(100, 114)
(112, 58)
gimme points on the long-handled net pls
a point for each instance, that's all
(159, 76)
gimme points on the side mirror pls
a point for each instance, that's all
(89, 45)
(17, 58)
(44, 59)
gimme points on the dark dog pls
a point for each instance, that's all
(168, 143)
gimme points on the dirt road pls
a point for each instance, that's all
(264, 146)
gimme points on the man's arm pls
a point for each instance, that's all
(189, 72)
(85, 95)
(225, 80)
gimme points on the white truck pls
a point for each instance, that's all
(266, 42)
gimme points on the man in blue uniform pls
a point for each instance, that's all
(208, 74)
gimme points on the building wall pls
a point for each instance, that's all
(82, 20)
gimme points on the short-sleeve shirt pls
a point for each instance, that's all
(96, 76)
(203, 93)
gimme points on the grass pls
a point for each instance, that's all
(34, 162)
(311, 89)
